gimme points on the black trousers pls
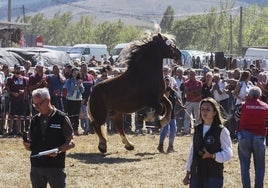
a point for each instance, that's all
(73, 110)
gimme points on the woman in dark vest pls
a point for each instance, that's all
(212, 146)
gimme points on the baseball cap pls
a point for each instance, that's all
(22, 68)
(68, 65)
(205, 69)
(16, 66)
(39, 64)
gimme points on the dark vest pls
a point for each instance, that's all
(206, 167)
(52, 138)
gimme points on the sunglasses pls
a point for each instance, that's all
(37, 106)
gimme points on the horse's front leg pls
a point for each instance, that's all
(101, 132)
(119, 122)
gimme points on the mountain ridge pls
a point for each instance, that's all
(128, 11)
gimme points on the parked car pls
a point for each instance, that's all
(117, 49)
(85, 52)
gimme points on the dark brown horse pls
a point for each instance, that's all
(141, 85)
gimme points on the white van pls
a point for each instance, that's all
(85, 52)
(256, 53)
(117, 49)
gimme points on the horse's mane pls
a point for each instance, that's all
(130, 54)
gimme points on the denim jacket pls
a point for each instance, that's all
(74, 92)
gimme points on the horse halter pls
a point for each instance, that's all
(172, 46)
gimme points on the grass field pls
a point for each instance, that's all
(86, 167)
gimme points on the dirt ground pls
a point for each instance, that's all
(86, 167)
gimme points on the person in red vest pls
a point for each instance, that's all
(252, 136)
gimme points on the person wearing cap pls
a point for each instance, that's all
(75, 88)
(27, 65)
(22, 70)
(77, 62)
(205, 70)
(16, 86)
(67, 70)
(25, 124)
(38, 80)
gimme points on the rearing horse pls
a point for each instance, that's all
(141, 85)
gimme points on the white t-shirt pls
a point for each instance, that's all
(223, 96)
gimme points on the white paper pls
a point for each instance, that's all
(47, 152)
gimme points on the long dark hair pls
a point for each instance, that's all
(219, 117)
(244, 75)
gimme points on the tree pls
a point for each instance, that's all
(167, 20)
(81, 31)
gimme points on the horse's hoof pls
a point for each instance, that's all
(102, 149)
(129, 147)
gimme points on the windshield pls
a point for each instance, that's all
(76, 50)
(117, 51)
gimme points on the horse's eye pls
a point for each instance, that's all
(168, 42)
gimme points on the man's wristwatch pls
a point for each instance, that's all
(59, 150)
(213, 156)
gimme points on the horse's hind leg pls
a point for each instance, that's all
(100, 131)
(119, 122)
(167, 107)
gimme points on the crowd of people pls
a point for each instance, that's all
(69, 88)
(210, 102)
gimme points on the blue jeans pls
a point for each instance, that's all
(85, 124)
(172, 129)
(256, 145)
(196, 182)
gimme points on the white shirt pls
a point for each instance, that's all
(221, 156)
(243, 91)
(173, 83)
(179, 82)
(223, 96)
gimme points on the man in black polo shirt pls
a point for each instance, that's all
(50, 129)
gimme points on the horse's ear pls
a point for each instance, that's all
(157, 37)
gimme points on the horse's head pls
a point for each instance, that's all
(169, 49)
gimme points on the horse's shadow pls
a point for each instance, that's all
(99, 158)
